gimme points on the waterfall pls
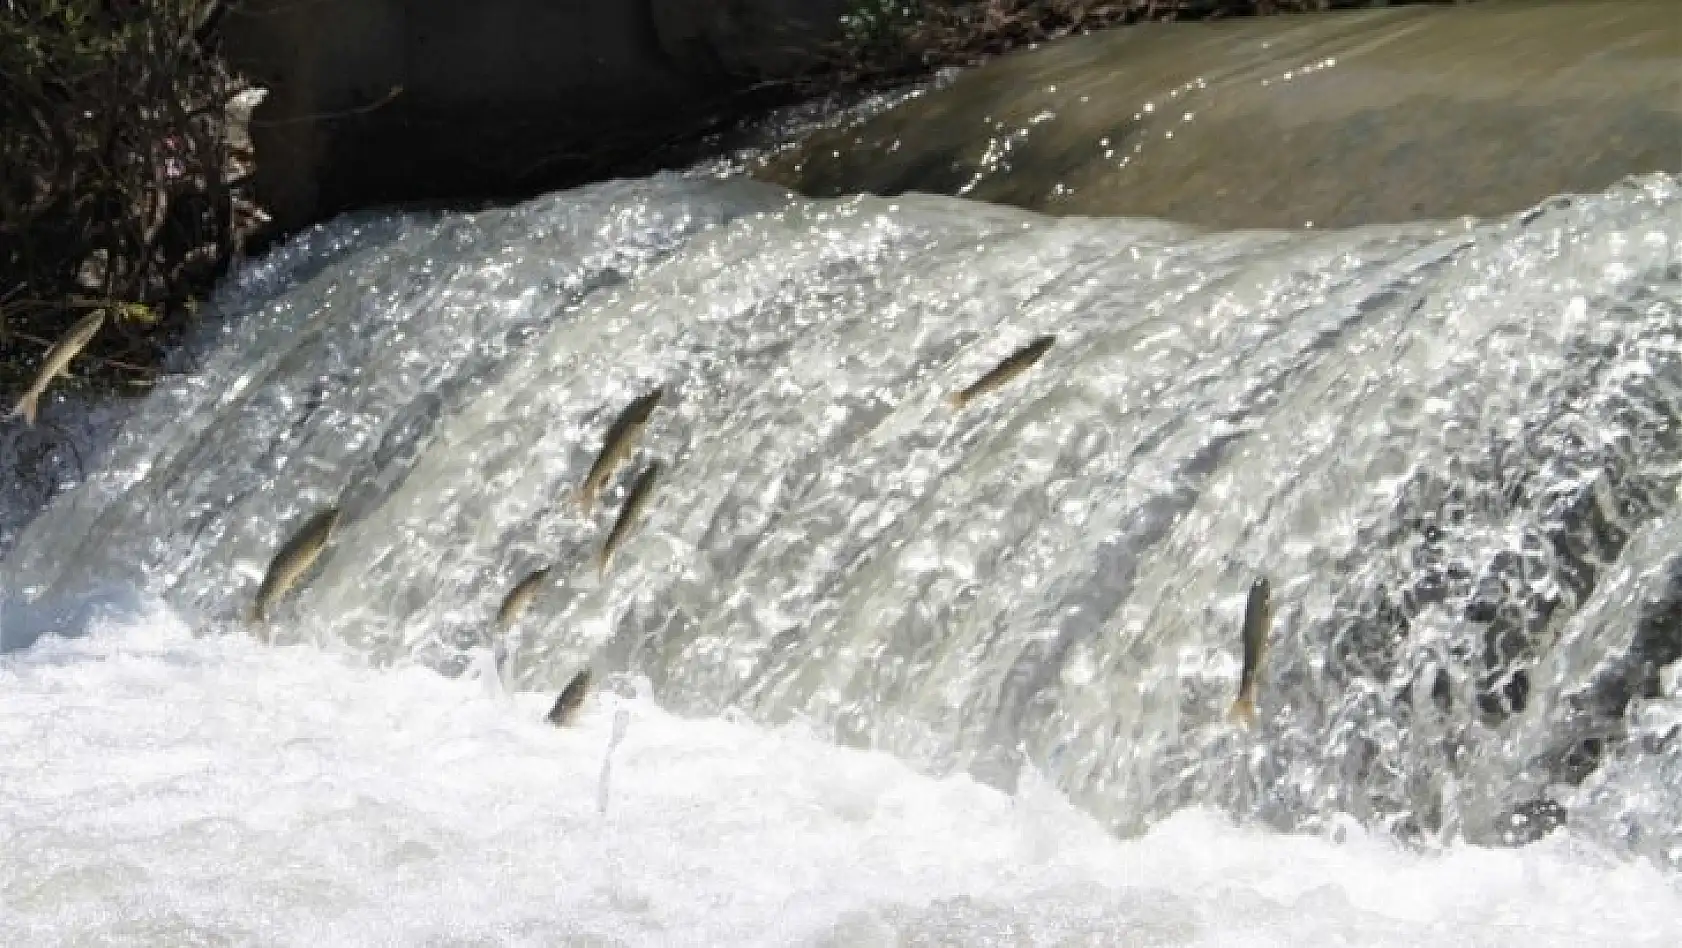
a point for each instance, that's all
(1453, 448)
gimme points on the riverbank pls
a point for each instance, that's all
(125, 162)
(891, 41)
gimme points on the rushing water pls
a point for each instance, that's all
(161, 790)
(1453, 447)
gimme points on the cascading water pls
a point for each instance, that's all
(1452, 447)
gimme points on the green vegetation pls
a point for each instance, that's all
(119, 179)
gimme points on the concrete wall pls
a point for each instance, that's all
(498, 98)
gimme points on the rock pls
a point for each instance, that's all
(1331, 119)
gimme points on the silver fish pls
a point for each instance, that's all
(1258, 618)
(571, 699)
(520, 597)
(1013, 365)
(56, 363)
(293, 560)
(617, 445)
(635, 499)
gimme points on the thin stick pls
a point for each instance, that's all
(380, 103)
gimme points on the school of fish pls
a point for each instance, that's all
(307, 544)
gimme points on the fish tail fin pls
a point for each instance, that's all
(561, 712)
(1243, 711)
(26, 408)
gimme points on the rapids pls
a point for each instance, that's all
(1452, 446)
(157, 789)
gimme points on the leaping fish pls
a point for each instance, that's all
(635, 499)
(1258, 617)
(293, 560)
(572, 697)
(520, 597)
(617, 445)
(1013, 365)
(56, 363)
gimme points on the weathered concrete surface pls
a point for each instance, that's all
(1335, 119)
(755, 39)
(390, 101)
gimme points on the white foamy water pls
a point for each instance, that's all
(162, 789)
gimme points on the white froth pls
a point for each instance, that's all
(156, 788)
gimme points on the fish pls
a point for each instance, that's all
(1258, 617)
(56, 363)
(1013, 365)
(293, 560)
(635, 499)
(520, 597)
(572, 697)
(617, 445)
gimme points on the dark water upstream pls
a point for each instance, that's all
(1453, 448)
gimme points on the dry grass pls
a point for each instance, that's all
(120, 183)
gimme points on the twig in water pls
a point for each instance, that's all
(379, 103)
